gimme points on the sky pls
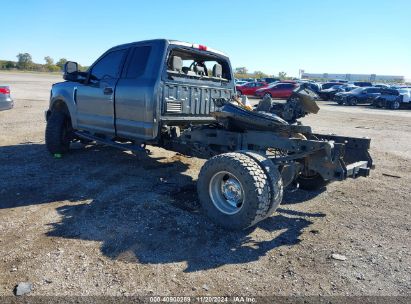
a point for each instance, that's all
(318, 36)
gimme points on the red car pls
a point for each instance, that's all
(277, 90)
(249, 88)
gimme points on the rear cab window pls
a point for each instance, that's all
(197, 67)
(138, 61)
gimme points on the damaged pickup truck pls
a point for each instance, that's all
(181, 96)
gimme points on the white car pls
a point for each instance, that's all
(406, 95)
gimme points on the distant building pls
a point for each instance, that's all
(353, 77)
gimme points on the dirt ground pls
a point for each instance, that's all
(104, 222)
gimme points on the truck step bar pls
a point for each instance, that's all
(108, 142)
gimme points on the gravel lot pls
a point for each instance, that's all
(104, 222)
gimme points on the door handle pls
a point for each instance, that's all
(108, 91)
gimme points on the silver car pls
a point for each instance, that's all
(5, 99)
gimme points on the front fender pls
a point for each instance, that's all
(63, 93)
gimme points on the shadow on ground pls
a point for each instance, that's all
(143, 211)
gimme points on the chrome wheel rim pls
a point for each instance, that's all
(226, 192)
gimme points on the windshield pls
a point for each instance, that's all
(334, 87)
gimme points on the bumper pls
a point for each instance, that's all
(350, 157)
(6, 104)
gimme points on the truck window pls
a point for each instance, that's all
(109, 66)
(197, 66)
(138, 62)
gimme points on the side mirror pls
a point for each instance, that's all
(70, 71)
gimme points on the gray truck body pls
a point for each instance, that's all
(135, 108)
(181, 97)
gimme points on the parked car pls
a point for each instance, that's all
(6, 102)
(388, 98)
(339, 80)
(270, 79)
(406, 93)
(381, 85)
(362, 84)
(277, 90)
(346, 88)
(249, 88)
(328, 94)
(328, 85)
(240, 82)
(313, 86)
(359, 95)
(331, 93)
(405, 98)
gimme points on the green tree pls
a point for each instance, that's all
(53, 68)
(49, 60)
(282, 75)
(259, 74)
(241, 70)
(24, 61)
(10, 65)
(61, 62)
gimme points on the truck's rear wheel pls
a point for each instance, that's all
(58, 133)
(274, 176)
(234, 190)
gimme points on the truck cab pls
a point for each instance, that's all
(133, 90)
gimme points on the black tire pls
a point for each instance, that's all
(395, 105)
(58, 133)
(311, 183)
(267, 95)
(274, 175)
(340, 102)
(378, 104)
(239, 93)
(254, 186)
(353, 101)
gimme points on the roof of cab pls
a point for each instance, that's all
(174, 42)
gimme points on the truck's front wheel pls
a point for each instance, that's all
(234, 190)
(58, 133)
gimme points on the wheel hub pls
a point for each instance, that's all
(226, 192)
(232, 191)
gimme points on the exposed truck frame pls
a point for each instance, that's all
(251, 156)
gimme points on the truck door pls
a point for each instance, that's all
(95, 99)
(135, 103)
